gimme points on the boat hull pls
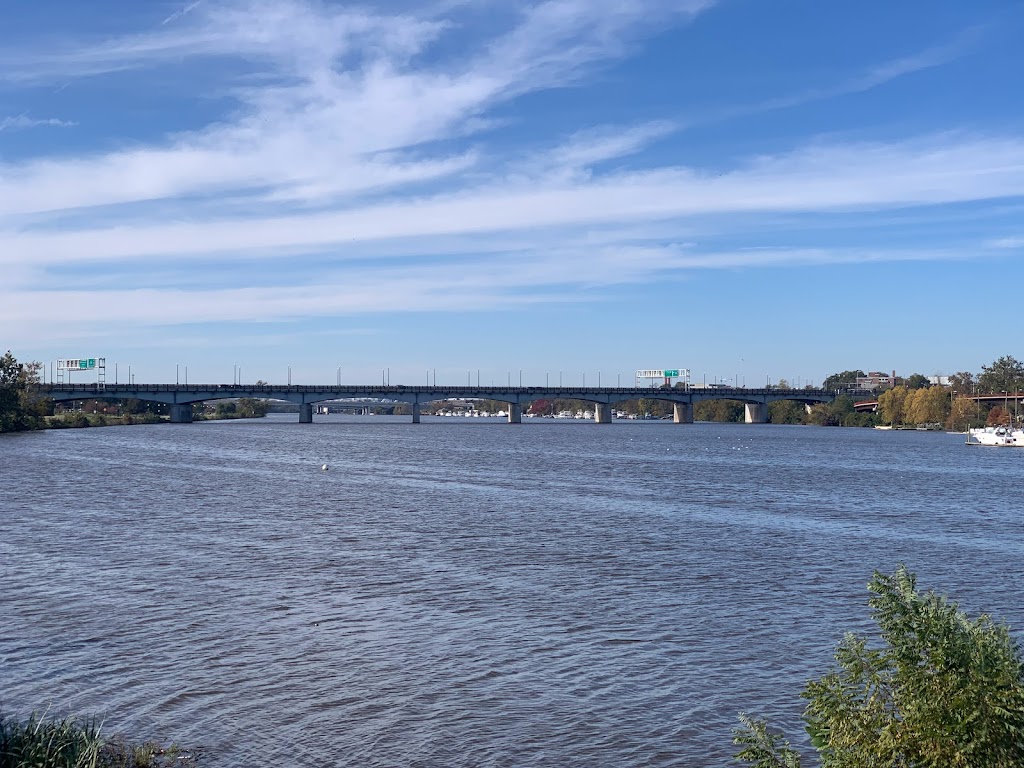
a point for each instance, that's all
(996, 437)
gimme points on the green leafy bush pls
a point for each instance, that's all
(939, 690)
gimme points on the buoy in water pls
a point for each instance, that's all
(324, 468)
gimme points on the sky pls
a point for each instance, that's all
(446, 189)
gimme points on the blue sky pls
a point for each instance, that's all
(745, 188)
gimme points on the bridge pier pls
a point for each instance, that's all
(807, 408)
(515, 413)
(682, 413)
(306, 413)
(181, 413)
(415, 413)
(602, 413)
(755, 413)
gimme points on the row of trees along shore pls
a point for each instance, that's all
(22, 408)
(913, 401)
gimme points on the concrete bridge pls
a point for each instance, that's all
(180, 397)
(871, 406)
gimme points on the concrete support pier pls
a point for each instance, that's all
(602, 413)
(306, 414)
(415, 413)
(181, 413)
(682, 413)
(756, 413)
(515, 413)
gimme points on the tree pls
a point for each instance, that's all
(964, 414)
(997, 417)
(21, 407)
(718, 410)
(929, 406)
(840, 380)
(1004, 375)
(891, 405)
(963, 381)
(251, 407)
(786, 412)
(939, 689)
(917, 381)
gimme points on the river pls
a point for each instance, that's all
(466, 592)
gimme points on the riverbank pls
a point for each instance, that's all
(83, 420)
(73, 742)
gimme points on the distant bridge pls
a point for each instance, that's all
(870, 406)
(180, 397)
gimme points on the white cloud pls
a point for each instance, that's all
(822, 177)
(23, 121)
(1006, 242)
(506, 280)
(345, 152)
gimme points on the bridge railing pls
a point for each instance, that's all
(270, 388)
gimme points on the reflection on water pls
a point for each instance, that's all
(466, 594)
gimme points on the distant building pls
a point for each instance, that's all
(876, 380)
(939, 381)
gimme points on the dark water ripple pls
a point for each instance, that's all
(471, 594)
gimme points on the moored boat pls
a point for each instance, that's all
(999, 437)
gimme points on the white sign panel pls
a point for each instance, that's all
(663, 373)
(77, 364)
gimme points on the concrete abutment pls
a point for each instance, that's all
(755, 413)
(181, 413)
(515, 413)
(682, 413)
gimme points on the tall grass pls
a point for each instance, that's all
(42, 742)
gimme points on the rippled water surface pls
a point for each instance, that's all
(471, 593)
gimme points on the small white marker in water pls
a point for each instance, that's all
(324, 467)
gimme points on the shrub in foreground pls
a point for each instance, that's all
(40, 742)
(938, 690)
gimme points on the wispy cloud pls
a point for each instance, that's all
(873, 77)
(353, 148)
(181, 12)
(24, 121)
(935, 170)
(1009, 243)
(558, 277)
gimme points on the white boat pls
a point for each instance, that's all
(1001, 437)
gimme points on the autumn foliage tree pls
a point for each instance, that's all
(929, 405)
(891, 405)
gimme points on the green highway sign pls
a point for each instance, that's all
(669, 374)
(78, 364)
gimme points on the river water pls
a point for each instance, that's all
(469, 593)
